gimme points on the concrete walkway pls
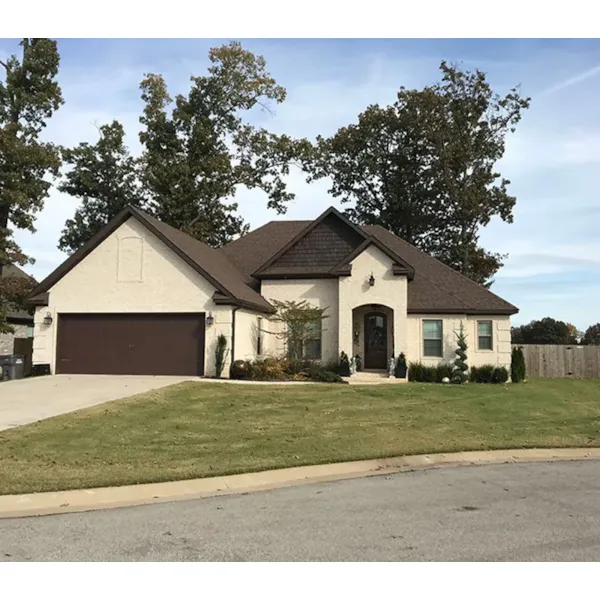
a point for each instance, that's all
(28, 400)
(47, 503)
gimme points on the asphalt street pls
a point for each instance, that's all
(517, 512)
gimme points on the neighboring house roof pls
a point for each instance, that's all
(14, 271)
(324, 247)
(212, 264)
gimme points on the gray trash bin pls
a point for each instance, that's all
(12, 366)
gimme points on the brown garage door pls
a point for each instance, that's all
(131, 344)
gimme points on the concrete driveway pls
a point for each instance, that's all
(27, 400)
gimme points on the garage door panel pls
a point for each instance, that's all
(131, 344)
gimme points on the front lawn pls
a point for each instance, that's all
(201, 429)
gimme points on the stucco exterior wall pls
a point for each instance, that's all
(499, 355)
(246, 333)
(322, 293)
(389, 290)
(131, 271)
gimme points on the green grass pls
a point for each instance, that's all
(200, 429)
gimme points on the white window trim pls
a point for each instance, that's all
(441, 355)
(491, 322)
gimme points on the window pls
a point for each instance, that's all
(432, 338)
(30, 331)
(484, 335)
(308, 342)
(312, 343)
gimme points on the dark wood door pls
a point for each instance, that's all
(375, 340)
(131, 344)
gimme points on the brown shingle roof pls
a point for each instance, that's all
(250, 252)
(435, 287)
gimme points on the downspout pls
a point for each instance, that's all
(233, 311)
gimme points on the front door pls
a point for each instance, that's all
(375, 341)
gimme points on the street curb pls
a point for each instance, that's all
(70, 501)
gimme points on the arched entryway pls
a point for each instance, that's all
(373, 337)
(375, 340)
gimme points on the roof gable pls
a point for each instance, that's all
(210, 263)
(318, 248)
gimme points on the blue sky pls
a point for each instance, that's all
(552, 160)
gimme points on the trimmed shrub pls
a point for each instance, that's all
(421, 373)
(221, 353)
(443, 370)
(500, 375)
(282, 369)
(240, 369)
(482, 374)
(268, 369)
(459, 372)
(319, 373)
(517, 365)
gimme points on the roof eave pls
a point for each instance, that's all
(463, 311)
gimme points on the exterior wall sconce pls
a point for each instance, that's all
(356, 334)
(48, 319)
(371, 280)
(210, 320)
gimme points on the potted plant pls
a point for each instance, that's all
(358, 361)
(400, 371)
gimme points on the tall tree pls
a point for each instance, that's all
(424, 167)
(544, 331)
(382, 164)
(198, 148)
(466, 124)
(104, 177)
(29, 95)
(591, 337)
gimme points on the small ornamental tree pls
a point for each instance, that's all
(220, 354)
(302, 327)
(459, 373)
(517, 365)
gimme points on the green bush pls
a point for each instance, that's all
(443, 370)
(424, 374)
(221, 353)
(319, 373)
(421, 373)
(517, 365)
(482, 374)
(500, 375)
(282, 369)
(488, 374)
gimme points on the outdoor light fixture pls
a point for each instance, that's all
(210, 319)
(371, 280)
(48, 319)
